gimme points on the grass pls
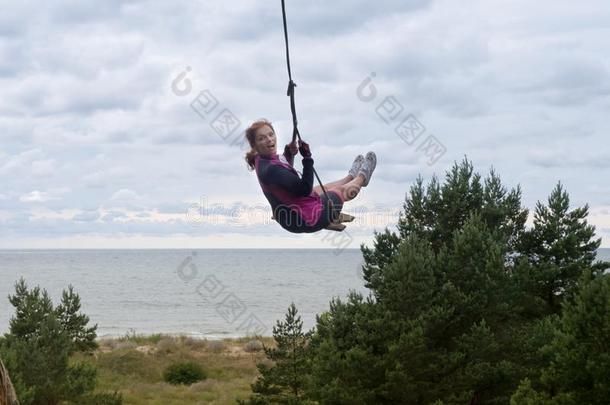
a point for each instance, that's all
(134, 364)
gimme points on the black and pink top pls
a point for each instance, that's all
(296, 207)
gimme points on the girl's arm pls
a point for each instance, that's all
(290, 181)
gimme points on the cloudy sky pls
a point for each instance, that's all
(121, 121)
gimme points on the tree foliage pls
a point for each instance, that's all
(579, 368)
(464, 300)
(40, 341)
(283, 379)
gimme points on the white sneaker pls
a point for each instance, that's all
(367, 168)
(358, 161)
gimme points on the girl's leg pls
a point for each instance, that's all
(333, 185)
(350, 190)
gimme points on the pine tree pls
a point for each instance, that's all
(456, 312)
(459, 304)
(441, 328)
(560, 246)
(75, 323)
(39, 343)
(284, 381)
(348, 348)
(459, 323)
(434, 212)
(579, 368)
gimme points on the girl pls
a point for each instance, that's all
(297, 205)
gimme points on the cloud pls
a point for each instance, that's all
(126, 198)
(91, 130)
(561, 158)
(17, 164)
(315, 18)
(87, 216)
(49, 196)
(36, 196)
(112, 215)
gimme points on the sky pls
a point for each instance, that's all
(121, 122)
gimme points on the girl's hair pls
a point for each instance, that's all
(251, 137)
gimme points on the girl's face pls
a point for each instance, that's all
(265, 141)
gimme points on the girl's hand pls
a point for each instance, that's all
(304, 149)
(292, 148)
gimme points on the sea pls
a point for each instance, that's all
(207, 293)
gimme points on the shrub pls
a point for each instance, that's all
(140, 338)
(114, 398)
(129, 363)
(253, 346)
(125, 346)
(184, 373)
(108, 343)
(216, 346)
(193, 343)
(167, 345)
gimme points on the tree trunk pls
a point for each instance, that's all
(7, 392)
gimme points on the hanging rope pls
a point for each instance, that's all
(293, 109)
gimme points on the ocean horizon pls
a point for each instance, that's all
(206, 293)
(203, 293)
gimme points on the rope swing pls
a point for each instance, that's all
(293, 109)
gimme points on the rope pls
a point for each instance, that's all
(293, 109)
